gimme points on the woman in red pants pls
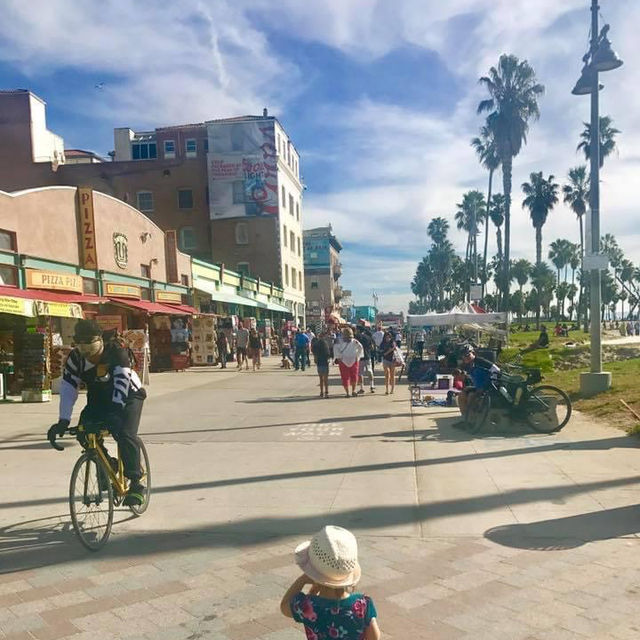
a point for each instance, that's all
(348, 354)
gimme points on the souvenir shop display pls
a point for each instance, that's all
(204, 339)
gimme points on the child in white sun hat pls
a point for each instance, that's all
(330, 609)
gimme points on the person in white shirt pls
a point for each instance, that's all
(377, 340)
(419, 342)
(348, 353)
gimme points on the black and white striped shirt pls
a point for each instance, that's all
(110, 383)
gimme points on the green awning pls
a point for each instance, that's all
(231, 298)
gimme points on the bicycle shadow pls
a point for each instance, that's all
(51, 536)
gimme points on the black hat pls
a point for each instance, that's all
(86, 331)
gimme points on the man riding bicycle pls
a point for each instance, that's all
(481, 372)
(114, 397)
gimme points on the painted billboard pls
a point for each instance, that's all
(242, 168)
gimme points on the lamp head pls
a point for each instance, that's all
(586, 81)
(605, 58)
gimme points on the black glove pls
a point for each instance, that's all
(57, 430)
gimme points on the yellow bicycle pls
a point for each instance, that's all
(97, 488)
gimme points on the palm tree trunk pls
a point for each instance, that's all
(486, 235)
(581, 292)
(539, 248)
(507, 166)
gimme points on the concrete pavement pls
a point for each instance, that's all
(526, 536)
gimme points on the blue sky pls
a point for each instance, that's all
(378, 96)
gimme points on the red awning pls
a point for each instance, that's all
(50, 296)
(186, 309)
(149, 307)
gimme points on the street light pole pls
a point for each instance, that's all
(594, 205)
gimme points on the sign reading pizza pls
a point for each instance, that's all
(53, 280)
(88, 249)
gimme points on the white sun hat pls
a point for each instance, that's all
(330, 558)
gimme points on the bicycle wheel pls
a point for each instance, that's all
(547, 408)
(91, 506)
(145, 467)
(478, 412)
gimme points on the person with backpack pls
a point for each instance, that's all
(115, 397)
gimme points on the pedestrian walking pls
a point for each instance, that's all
(389, 361)
(331, 608)
(365, 369)
(348, 353)
(302, 346)
(419, 343)
(285, 347)
(242, 342)
(321, 355)
(255, 349)
(311, 336)
(397, 336)
(377, 341)
(223, 349)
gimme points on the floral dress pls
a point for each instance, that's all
(324, 619)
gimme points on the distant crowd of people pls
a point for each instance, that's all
(354, 349)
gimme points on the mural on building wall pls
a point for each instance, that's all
(121, 250)
(242, 167)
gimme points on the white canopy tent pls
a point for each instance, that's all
(457, 316)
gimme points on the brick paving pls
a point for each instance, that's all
(574, 573)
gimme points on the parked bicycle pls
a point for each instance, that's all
(98, 485)
(545, 408)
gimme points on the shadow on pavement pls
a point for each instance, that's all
(569, 532)
(21, 552)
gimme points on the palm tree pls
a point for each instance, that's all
(560, 252)
(543, 283)
(576, 195)
(541, 197)
(486, 149)
(608, 135)
(574, 260)
(469, 217)
(520, 271)
(513, 101)
(438, 229)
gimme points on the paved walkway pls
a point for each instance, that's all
(500, 537)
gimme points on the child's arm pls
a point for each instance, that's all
(285, 604)
(373, 631)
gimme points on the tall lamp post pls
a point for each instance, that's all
(600, 57)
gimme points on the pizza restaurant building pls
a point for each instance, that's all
(68, 253)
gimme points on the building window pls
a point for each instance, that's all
(184, 279)
(243, 268)
(242, 233)
(185, 199)
(145, 293)
(145, 271)
(144, 150)
(238, 192)
(8, 275)
(284, 235)
(286, 274)
(314, 285)
(290, 204)
(205, 145)
(292, 241)
(187, 238)
(145, 200)
(8, 241)
(297, 211)
(299, 248)
(90, 286)
(284, 198)
(278, 144)
(293, 277)
(191, 147)
(169, 149)
(300, 280)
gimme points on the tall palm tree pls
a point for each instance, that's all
(513, 101)
(574, 260)
(487, 152)
(470, 217)
(540, 197)
(543, 283)
(560, 251)
(608, 135)
(576, 195)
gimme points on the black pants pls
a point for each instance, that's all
(126, 435)
(223, 357)
(420, 347)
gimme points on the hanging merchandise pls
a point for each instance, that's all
(204, 338)
(35, 367)
(138, 342)
(180, 358)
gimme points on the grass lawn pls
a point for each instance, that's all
(625, 375)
